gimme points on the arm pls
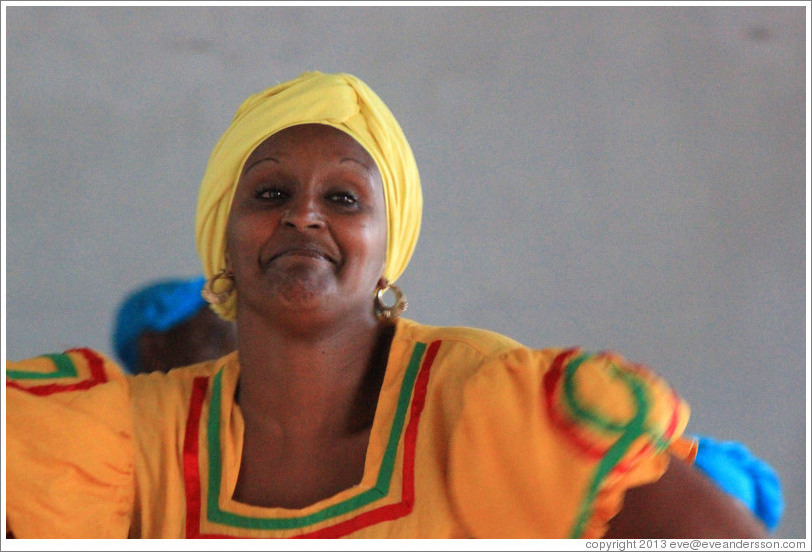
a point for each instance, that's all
(69, 447)
(683, 504)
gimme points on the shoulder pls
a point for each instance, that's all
(182, 376)
(603, 380)
(463, 355)
(480, 343)
(157, 395)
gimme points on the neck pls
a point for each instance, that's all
(324, 381)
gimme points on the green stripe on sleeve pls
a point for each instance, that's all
(65, 368)
(629, 432)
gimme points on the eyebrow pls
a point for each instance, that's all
(275, 160)
(354, 160)
(258, 161)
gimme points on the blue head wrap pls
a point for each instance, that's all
(741, 474)
(158, 307)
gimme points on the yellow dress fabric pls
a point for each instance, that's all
(474, 436)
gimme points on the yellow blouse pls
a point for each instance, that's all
(474, 435)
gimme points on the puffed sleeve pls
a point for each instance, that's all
(69, 447)
(549, 441)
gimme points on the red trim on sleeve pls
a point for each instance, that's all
(97, 376)
(570, 427)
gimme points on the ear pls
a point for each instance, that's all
(228, 262)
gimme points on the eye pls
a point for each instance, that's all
(343, 198)
(270, 193)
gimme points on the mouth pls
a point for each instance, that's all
(308, 251)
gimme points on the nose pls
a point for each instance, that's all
(302, 214)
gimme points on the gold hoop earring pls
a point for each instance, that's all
(387, 313)
(218, 297)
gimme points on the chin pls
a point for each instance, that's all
(303, 293)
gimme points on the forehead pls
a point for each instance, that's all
(314, 138)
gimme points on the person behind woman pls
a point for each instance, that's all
(336, 416)
(165, 323)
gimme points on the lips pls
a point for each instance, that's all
(303, 249)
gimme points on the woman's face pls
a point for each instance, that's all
(307, 227)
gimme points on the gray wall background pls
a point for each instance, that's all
(625, 178)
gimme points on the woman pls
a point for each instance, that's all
(335, 416)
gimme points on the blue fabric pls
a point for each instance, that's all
(738, 472)
(158, 306)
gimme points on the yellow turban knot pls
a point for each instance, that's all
(338, 100)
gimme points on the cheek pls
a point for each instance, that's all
(363, 242)
(241, 237)
(375, 243)
(231, 244)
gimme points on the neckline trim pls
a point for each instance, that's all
(412, 393)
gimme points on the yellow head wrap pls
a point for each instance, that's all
(341, 101)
